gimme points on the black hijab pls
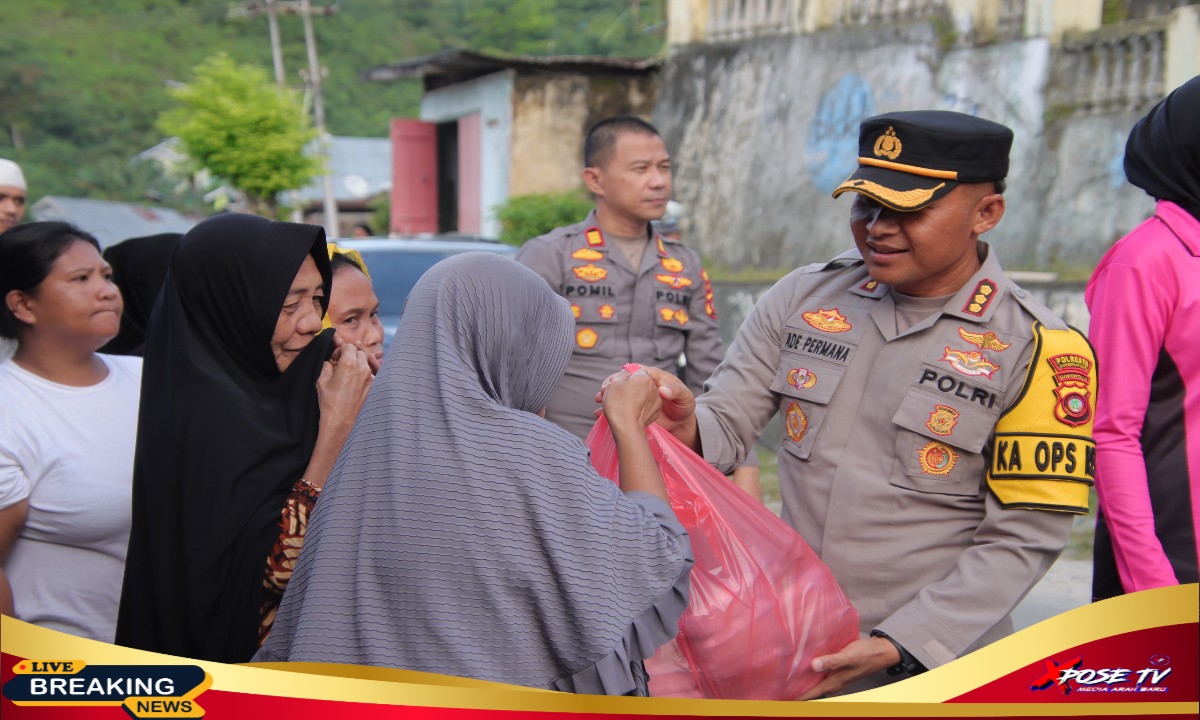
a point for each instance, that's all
(222, 437)
(1162, 155)
(139, 268)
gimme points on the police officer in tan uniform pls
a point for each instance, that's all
(637, 297)
(937, 420)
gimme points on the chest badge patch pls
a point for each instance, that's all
(978, 303)
(589, 273)
(681, 316)
(607, 311)
(576, 311)
(675, 281)
(796, 422)
(983, 341)
(586, 338)
(942, 420)
(587, 254)
(670, 264)
(801, 378)
(936, 458)
(971, 363)
(830, 321)
(594, 237)
(1072, 377)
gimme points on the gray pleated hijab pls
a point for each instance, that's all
(462, 534)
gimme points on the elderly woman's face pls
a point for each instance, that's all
(300, 317)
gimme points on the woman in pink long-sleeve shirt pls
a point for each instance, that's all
(1144, 299)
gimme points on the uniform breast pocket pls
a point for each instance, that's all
(671, 322)
(805, 388)
(939, 445)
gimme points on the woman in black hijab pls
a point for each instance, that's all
(244, 401)
(139, 268)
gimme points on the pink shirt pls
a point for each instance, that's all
(1145, 303)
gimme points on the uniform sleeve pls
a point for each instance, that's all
(738, 403)
(544, 257)
(947, 617)
(704, 349)
(1130, 313)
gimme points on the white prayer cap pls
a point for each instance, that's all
(10, 174)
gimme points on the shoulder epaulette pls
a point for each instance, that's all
(1043, 455)
(850, 258)
(1040, 312)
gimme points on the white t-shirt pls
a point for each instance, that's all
(69, 450)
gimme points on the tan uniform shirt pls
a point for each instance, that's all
(885, 445)
(650, 315)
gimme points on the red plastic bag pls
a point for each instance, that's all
(763, 605)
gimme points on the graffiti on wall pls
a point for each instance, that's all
(833, 135)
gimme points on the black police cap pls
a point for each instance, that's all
(906, 160)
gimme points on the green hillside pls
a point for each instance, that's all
(82, 81)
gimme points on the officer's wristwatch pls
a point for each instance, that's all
(908, 664)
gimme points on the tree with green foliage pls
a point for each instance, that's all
(234, 120)
(524, 217)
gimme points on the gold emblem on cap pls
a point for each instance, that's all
(888, 145)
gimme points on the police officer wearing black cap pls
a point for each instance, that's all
(937, 419)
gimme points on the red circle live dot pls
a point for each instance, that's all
(22, 667)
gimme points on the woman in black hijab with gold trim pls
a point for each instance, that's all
(245, 406)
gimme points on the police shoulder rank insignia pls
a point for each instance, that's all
(796, 422)
(576, 311)
(980, 298)
(607, 311)
(971, 363)
(830, 321)
(590, 273)
(675, 281)
(801, 378)
(594, 237)
(937, 458)
(587, 254)
(983, 341)
(1043, 455)
(670, 264)
(586, 338)
(942, 420)
(888, 145)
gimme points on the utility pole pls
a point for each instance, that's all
(276, 50)
(314, 69)
(306, 11)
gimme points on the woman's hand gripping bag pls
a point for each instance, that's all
(763, 605)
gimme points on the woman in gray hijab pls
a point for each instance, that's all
(462, 534)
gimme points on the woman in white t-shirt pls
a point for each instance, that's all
(68, 419)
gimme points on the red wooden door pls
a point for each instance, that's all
(414, 177)
(470, 180)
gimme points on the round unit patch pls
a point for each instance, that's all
(936, 458)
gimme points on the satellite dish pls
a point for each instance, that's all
(357, 185)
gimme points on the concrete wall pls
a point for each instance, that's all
(762, 131)
(551, 116)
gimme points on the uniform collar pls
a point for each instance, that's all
(599, 243)
(1181, 222)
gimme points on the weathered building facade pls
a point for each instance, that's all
(760, 102)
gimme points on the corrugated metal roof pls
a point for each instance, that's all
(470, 63)
(112, 222)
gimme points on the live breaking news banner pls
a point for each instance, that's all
(1133, 656)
